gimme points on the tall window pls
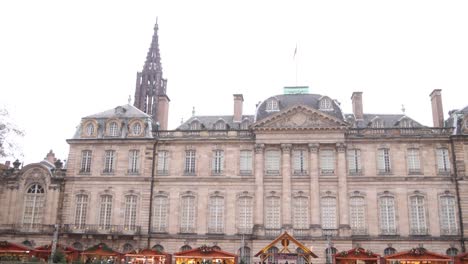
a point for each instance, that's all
(216, 215)
(327, 161)
(85, 161)
(245, 207)
(384, 160)
(272, 162)
(81, 211)
(109, 161)
(220, 125)
(113, 129)
(272, 254)
(105, 212)
(299, 162)
(301, 213)
(329, 213)
(387, 215)
(448, 221)
(187, 221)
(354, 161)
(272, 213)
(163, 162)
(244, 255)
(443, 162)
(357, 213)
(414, 165)
(133, 161)
(160, 213)
(452, 252)
(246, 162)
(190, 162)
(130, 212)
(218, 162)
(33, 206)
(329, 252)
(300, 256)
(418, 216)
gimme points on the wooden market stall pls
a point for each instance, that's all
(99, 253)
(43, 252)
(14, 252)
(417, 256)
(356, 256)
(461, 258)
(285, 255)
(150, 256)
(205, 255)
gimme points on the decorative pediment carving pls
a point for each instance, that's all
(300, 117)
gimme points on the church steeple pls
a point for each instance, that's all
(150, 90)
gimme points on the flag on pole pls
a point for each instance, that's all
(295, 51)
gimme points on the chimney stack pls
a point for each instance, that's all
(238, 101)
(357, 105)
(437, 110)
(163, 111)
(50, 157)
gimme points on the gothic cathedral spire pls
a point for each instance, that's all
(150, 92)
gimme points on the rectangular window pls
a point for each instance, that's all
(187, 221)
(81, 211)
(327, 162)
(246, 162)
(245, 206)
(448, 221)
(443, 162)
(85, 161)
(414, 165)
(190, 162)
(299, 162)
(130, 212)
(217, 162)
(387, 216)
(163, 162)
(273, 213)
(300, 213)
(109, 161)
(357, 213)
(105, 212)
(354, 161)
(329, 213)
(216, 215)
(272, 162)
(160, 214)
(384, 161)
(133, 161)
(417, 216)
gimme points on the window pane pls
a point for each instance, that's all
(327, 161)
(160, 213)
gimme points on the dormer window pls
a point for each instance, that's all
(326, 104)
(89, 129)
(195, 125)
(113, 129)
(136, 129)
(220, 125)
(272, 105)
(377, 123)
(406, 123)
(245, 125)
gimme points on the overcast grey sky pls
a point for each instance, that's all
(62, 60)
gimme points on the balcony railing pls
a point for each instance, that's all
(187, 230)
(359, 232)
(413, 131)
(26, 228)
(449, 232)
(203, 134)
(300, 172)
(388, 232)
(355, 172)
(245, 231)
(101, 229)
(327, 171)
(301, 232)
(214, 230)
(272, 232)
(330, 232)
(419, 231)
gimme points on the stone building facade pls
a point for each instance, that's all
(299, 164)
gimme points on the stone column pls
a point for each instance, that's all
(259, 171)
(345, 229)
(314, 190)
(286, 188)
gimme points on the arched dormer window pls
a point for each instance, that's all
(89, 129)
(406, 123)
(136, 129)
(245, 125)
(113, 129)
(220, 125)
(377, 123)
(325, 104)
(272, 105)
(195, 125)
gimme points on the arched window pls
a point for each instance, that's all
(329, 218)
(113, 129)
(272, 254)
(244, 255)
(300, 212)
(27, 243)
(185, 248)
(216, 215)
(215, 247)
(448, 219)
(130, 212)
(158, 248)
(89, 129)
(187, 215)
(245, 209)
(452, 252)
(273, 213)
(387, 215)
(81, 211)
(161, 208)
(33, 206)
(329, 252)
(220, 125)
(300, 256)
(105, 212)
(326, 104)
(127, 248)
(357, 211)
(418, 221)
(78, 246)
(389, 251)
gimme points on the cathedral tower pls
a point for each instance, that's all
(150, 92)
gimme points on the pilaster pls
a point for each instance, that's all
(314, 191)
(345, 229)
(286, 187)
(258, 217)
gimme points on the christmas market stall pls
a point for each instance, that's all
(205, 255)
(356, 256)
(99, 254)
(14, 252)
(148, 256)
(43, 252)
(461, 258)
(417, 256)
(279, 252)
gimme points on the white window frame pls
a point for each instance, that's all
(273, 212)
(448, 215)
(327, 161)
(90, 129)
(245, 219)
(163, 162)
(216, 215)
(218, 162)
(300, 163)
(130, 216)
(326, 104)
(413, 161)
(272, 162)
(81, 210)
(86, 158)
(357, 215)
(187, 215)
(418, 220)
(245, 162)
(272, 105)
(384, 161)
(34, 202)
(329, 216)
(109, 161)
(160, 213)
(354, 161)
(113, 129)
(387, 215)
(134, 161)
(105, 212)
(136, 129)
(190, 162)
(443, 161)
(300, 212)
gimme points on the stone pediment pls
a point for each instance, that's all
(300, 117)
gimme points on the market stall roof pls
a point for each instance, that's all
(8, 247)
(461, 258)
(205, 252)
(48, 248)
(285, 238)
(356, 254)
(145, 252)
(418, 254)
(100, 250)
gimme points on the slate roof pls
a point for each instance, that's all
(127, 111)
(208, 122)
(456, 120)
(289, 100)
(389, 120)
